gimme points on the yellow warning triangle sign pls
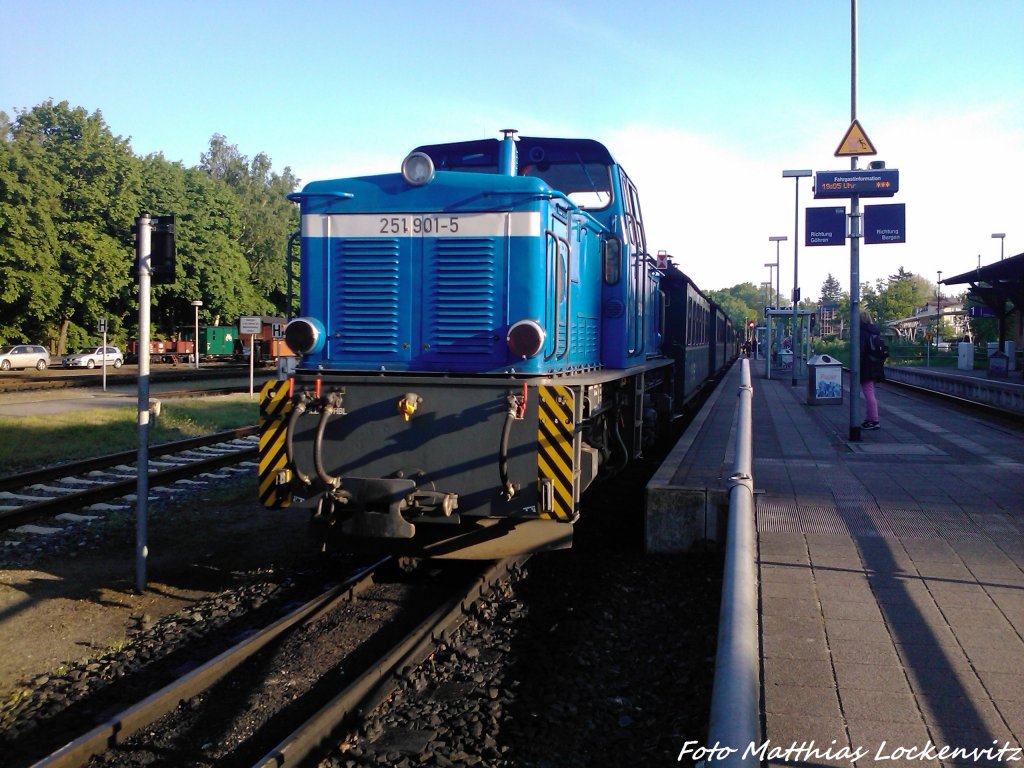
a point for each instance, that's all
(855, 142)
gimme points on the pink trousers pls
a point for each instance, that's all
(868, 388)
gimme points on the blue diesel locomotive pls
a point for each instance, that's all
(481, 337)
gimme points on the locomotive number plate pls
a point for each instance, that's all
(504, 224)
(419, 225)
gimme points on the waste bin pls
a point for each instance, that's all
(824, 380)
(998, 365)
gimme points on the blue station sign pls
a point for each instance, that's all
(885, 224)
(883, 182)
(825, 226)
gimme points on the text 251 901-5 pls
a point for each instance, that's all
(418, 225)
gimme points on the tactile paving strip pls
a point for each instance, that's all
(775, 517)
(825, 521)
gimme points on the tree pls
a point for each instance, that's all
(741, 302)
(267, 217)
(164, 192)
(831, 291)
(96, 178)
(897, 297)
(29, 248)
(211, 253)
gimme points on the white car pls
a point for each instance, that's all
(93, 356)
(24, 356)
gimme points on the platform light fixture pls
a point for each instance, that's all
(777, 239)
(1002, 242)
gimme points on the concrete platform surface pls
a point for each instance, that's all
(892, 582)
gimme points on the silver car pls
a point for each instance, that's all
(93, 356)
(21, 356)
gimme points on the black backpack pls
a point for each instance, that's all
(878, 351)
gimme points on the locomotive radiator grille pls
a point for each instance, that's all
(367, 300)
(555, 452)
(460, 302)
(275, 406)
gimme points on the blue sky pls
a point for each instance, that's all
(704, 102)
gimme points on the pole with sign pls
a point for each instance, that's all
(102, 327)
(851, 147)
(143, 263)
(154, 263)
(251, 326)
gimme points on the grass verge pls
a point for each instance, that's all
(31, 441)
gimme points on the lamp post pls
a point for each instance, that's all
(796, 176)
(195, 339)
(1002, 242)
(777, 239)
(938, 310)
(771, 266)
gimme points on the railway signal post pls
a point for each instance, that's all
(154, 262)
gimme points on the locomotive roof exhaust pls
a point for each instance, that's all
(508, 159)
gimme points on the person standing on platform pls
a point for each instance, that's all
(873, 353)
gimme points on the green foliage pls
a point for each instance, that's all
(29, 246)
(741, 303)
(840, 350)
(70, 191)
(831, 291)
(898, 296)
(267, 218)
(97, 182)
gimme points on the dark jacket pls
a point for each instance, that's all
(871, 369)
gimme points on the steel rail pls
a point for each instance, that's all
(118, 729)
(376, 684)
(47, 474)
(11, 518)
(735, 717)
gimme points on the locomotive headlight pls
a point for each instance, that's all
(418, 169)
(525, 338)
(305, 335)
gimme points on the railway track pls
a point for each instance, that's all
(30, 496)
(51, 379)
(162, 724)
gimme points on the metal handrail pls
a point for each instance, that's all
(735, 721)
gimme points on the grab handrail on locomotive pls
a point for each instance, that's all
(482, 336)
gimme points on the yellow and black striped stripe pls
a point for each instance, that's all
(275, 406)
(555, 454)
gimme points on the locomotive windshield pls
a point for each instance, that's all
(578, 168)
(586, 184)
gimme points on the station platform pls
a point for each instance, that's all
(891, 576)
(1004, 392)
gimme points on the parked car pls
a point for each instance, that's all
(93, 356)
(21, 356)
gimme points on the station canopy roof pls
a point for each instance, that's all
(996, 284)
(1009, 270)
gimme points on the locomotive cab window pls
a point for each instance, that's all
(588, 185)
(634, 219)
